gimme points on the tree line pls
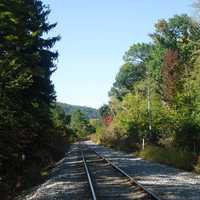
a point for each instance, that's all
(155, 97)
(33, 133)
(89, 112)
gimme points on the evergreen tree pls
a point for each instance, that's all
(80, 124)
(26, 91)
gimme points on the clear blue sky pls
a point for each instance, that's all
(95, 34)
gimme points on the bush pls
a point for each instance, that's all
(173, 157)
(187, 136)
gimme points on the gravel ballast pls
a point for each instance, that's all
(166, 182)
(68, 180)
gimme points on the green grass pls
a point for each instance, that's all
(173, 157)
(170, 156)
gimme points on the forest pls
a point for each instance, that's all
(154, 106)
(90, 113)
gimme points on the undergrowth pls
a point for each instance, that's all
(171, 156)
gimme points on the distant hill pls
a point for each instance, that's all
(90, 113)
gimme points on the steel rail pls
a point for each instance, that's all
(151, 195)
(88, 176)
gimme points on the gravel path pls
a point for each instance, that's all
(167, 182)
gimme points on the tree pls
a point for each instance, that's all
(179, 33)
(178, 36)
(26, 59)
(167, 72)
(170, 75)
(132, 71)
(60, 119)
(80, 124)
(137, 53)
(106, 114)
(26, 91)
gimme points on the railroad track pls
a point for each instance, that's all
(107, 181)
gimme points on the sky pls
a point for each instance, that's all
(95, 35)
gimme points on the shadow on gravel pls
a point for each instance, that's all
(66, 181)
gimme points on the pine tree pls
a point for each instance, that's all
(26, 91)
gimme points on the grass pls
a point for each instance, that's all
(172, 157)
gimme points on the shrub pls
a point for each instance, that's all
(173, 157)
(187, 136)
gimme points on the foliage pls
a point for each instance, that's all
(173, 157)
(61, 123)
(170, 75)
(27, 133)
(90, 113)
(137, 53)
(156, 94)
(132, 71)
(60, 119)
(106, 114)
(81, 125)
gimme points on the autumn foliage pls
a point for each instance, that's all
(107, 120)
(170, 75)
